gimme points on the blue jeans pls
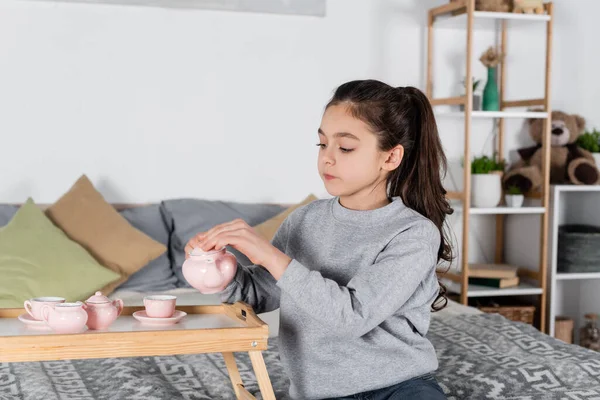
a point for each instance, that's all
(424, 387)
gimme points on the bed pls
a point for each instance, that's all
(482, 356)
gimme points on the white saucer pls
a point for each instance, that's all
(28, 320)
(142, 317)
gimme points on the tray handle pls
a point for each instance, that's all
(244, 313)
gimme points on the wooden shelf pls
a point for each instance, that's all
(494, 114)
(523, 289)
(502, 210)
(486, 20)
(511, 16)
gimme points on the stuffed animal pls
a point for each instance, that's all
(490, 5)
(569, 163)
(493, 5)
(528, 6)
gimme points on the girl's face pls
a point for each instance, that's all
(350, 161)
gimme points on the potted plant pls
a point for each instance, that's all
(514, 197)
(476, 95)
(486, 181)
(590, 141)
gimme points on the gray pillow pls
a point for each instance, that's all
(157, 275)
(7, 211)
(187, 217)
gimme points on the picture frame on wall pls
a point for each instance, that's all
(315, 8)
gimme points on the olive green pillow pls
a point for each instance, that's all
(38, 259)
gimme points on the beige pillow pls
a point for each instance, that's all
(268, 228)
(84, 215)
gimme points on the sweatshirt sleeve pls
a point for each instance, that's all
(254, 284)
(373, 294)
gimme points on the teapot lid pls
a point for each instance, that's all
(98, 298)
(197, 251)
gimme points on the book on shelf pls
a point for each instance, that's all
(499, 283)
(498, 271)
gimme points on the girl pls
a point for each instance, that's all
(355, 276)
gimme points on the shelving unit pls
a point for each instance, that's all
(533, 277)
(572, 294)
(484, 291)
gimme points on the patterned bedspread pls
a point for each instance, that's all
(489, 357)
(481, 356)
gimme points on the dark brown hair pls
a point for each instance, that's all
(403, 116)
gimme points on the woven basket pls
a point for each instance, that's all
(513, 313)
(578, 248)
(563, 329)
(492, 5)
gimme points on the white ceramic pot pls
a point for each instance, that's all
(486, 190)
(597, 158)
(514, 200)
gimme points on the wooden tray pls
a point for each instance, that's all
(225, 328)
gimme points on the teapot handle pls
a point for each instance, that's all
(46, 312)
(119, 304)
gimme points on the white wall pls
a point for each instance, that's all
(154, 103)
(576, 82)
(157, 103)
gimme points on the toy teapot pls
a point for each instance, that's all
(65, 317)
(101, 311)
(209, 272)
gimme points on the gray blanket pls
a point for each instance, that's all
(481, 357)
(489, 357)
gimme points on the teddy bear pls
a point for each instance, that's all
(569, 163)
(528, 6)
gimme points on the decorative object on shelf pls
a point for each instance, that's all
(578, 248)
(476, 96)
(570, 163)
(563, 329)
(491, 58)
(500, 283)
(500, 271)
(510, 310)
(590, 141)
(589, 335)
(486, 181)
(514, 197)
(492, 5)
(528, 6)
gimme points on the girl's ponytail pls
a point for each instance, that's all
(418, 179)
(403, 116)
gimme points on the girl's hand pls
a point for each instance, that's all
(239, 235)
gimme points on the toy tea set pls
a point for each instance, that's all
(97, 313)
(208, 272)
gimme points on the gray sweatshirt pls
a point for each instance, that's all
(355, 301)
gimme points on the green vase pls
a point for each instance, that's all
(490, 100)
